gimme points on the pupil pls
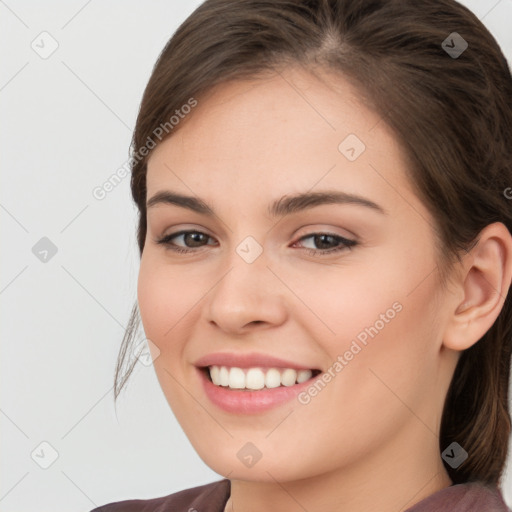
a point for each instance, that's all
(195, 236)
(323, 237)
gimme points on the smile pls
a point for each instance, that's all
(257, 378)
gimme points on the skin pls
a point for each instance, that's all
(371, 435)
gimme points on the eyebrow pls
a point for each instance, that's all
(286, 205)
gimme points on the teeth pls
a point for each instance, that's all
(288, 377)
(272, 378)
(223, 377)
(303, 375)
(215, 373)
(257, 378)
(236, 378)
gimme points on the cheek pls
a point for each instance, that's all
(341, 303)
(379, 317)
(154, 301)
(166, 297)
(385, 368)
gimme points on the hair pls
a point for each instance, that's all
(452, 115)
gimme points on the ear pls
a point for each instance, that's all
(483, 284)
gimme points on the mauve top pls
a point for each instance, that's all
(469, 497)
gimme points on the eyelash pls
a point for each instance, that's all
(346, 243)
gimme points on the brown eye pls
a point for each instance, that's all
(322, 239)
(191, 239)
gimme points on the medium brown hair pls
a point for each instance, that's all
(451, 114)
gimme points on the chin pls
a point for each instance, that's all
(230, 463)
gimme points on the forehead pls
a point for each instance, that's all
(287, 132)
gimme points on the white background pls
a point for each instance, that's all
(66, 128)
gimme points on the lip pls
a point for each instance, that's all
(250, 360)
(245, 402)
(238, 401)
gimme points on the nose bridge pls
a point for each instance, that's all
(247, 291)
(247, 273)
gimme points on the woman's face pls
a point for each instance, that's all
(260, 294)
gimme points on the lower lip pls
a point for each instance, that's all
(250, 402)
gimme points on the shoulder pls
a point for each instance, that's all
(211, 497)
(466, 497)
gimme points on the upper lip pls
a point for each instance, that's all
(250, 360)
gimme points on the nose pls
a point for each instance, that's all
(247, 296)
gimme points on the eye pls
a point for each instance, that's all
(194, 237)
(320, 239)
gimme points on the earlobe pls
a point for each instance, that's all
(485, 282)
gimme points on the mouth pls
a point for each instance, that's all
(256, 378)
